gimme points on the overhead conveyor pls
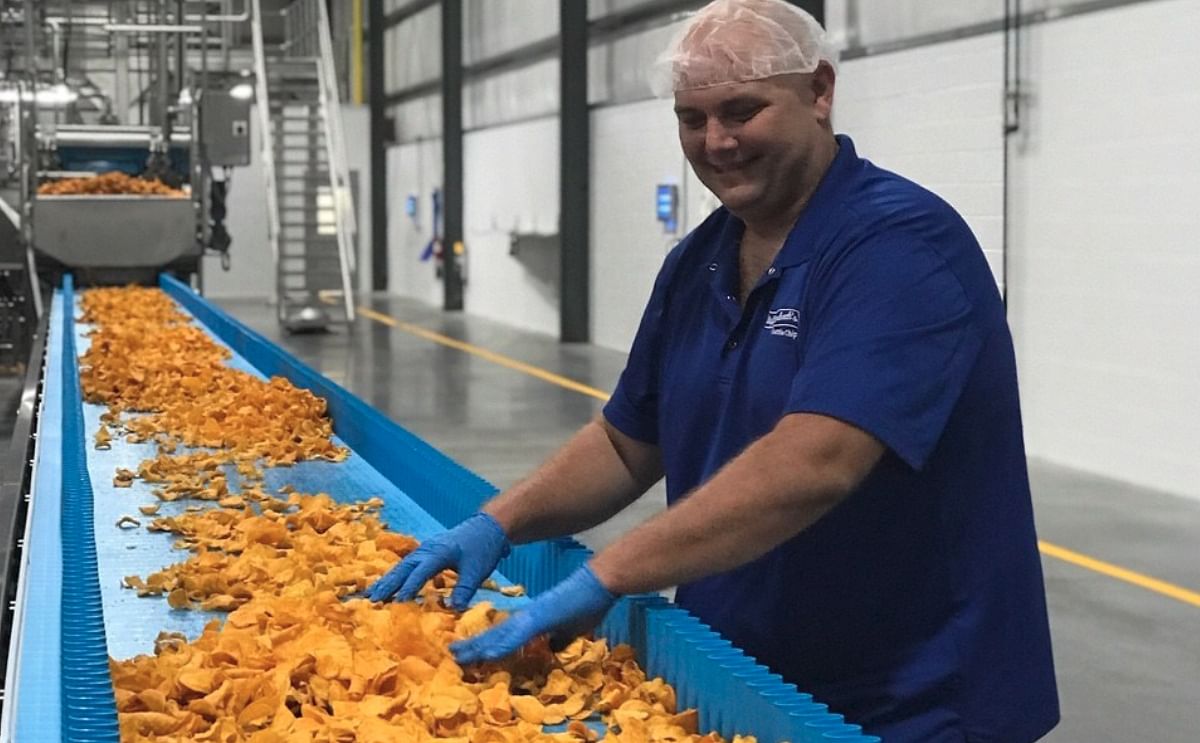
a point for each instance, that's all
(72, 613)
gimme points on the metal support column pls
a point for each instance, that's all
(379, 219)
(574, 173)
(452, 154)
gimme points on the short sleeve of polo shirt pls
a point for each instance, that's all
(633, 407)
(891, 344)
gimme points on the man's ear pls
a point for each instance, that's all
(822, 83)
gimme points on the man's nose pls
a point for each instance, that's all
(717, 137)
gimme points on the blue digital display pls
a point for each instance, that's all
(410, 205)
(667, 205)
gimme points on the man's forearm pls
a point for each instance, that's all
(581, 485)
(779, 486)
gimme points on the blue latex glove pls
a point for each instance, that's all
(473, 548)
(565, 611)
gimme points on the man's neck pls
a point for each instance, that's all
(771, 228)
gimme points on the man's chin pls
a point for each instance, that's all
(739, 198)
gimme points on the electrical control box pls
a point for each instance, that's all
(225, 128)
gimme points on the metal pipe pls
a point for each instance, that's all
(78, 21)
(56, 45)
(121, 83)
(162, 64)
(180, 51)
(204, 55)
(154, 28)
(145, 137)
(31, 67)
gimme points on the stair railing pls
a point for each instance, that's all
(309, 35)
(266, 145)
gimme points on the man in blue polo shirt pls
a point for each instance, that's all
(825, 377)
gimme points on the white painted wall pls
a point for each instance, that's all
(356, 130)
(635, 147)
(934, 114)
(414, 168)
(1104, 266)
(510, 185)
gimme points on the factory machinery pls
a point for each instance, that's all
(162, 90)
(70, 614)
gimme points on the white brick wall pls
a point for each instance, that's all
(1104, 264)
(934, 114)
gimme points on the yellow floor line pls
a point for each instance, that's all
(1122, 574)
(483, 353)
(1052, 550)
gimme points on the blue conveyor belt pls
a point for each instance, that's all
(89, 707)
(422, 490)
(134, 622)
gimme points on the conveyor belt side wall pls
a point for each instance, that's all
(89, 709)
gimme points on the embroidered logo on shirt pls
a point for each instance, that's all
(784, 321)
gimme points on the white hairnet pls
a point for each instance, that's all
(732, 41)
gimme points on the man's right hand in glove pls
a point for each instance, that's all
(473, 548)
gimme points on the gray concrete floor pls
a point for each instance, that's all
(1128, 660)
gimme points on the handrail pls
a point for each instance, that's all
(335, 145)
(264, 125)
(330, 67)
(306, 19)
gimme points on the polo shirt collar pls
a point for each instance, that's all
(802, 240)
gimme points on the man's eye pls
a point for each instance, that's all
(745, 114)
(692, 122)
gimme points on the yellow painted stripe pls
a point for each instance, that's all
(1116, 572)
(1122, 574)
(376, 316)
(357, 27)
(483, 353)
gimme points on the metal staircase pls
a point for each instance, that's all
(310, 219)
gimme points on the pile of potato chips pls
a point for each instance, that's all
(299, 658)
(108, 184)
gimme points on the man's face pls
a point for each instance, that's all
(749, 142)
